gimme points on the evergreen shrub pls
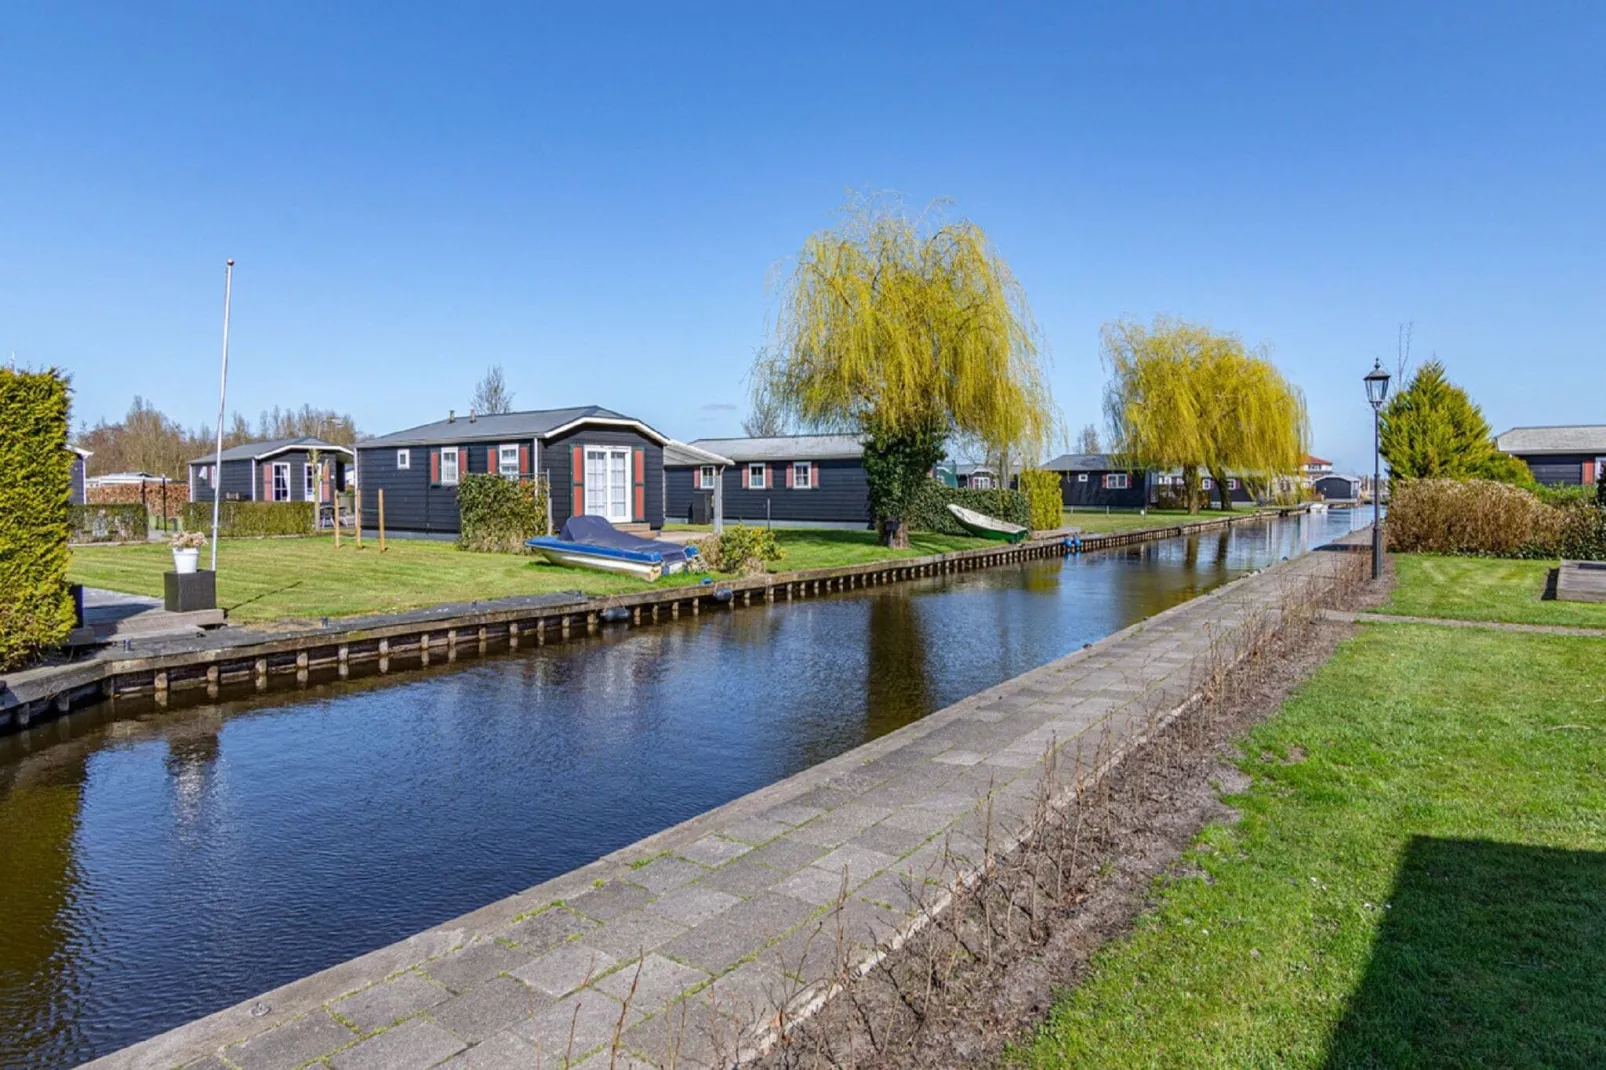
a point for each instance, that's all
(928, 507)
(1044, 502)
(498, 514)
(36, 607)
(245, 520)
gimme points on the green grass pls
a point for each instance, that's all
(1418, 878)
(304, 579)
(1481, 588)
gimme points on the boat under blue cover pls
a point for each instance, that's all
(592, 542)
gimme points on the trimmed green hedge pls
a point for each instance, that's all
(498, 514)
(1044, 501)
(36, 609)
(928, 507)
(108, 523)
(245, 520)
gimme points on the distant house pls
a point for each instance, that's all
(1334, 488)
(278, 470)
(790, 479)
(976, 476)
(1099, 481)
(597, 462)
(80, 464)
(1559, 456)
(1315, 467)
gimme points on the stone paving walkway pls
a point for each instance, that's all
(689, 948)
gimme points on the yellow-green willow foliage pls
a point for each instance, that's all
(899, 329)
(1182, 396)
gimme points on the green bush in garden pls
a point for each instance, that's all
(108, 523)
(1044, 502)
(244, 520)
(36, 609)
(740, 549)
(498, 513)
(928, 507)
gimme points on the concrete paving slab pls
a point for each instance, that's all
(413, 1045)
(390, 1001)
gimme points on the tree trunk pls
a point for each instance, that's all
(1223, 491)
(893, 534)
(1190, 486)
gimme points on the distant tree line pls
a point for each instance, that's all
(148, 440)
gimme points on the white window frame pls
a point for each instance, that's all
(756, 470)
(308, 487)
(803, 470)
(609, 454)
(1232, 484)
(706, 475)
(1117, 481)
(1081, 477)
(1207, 483)
(456, 457)
(273, 481)
(404, 460)
(507, 451)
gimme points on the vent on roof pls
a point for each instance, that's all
(471, 415)
(451, 416)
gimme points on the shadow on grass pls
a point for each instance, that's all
(260, 597)
(1491, 954)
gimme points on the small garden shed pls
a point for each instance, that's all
(278, 470)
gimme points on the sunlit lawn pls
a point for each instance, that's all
(303, 579)
(1481, 588)
(1418, 879)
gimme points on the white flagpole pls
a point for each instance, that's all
(222, 393)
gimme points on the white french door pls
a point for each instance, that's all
(607, 479)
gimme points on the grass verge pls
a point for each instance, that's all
(1418, 877)
(1099, 523)
(303, 579)
(1483, 588)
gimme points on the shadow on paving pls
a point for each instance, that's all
(1492, 954)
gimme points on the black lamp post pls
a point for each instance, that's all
(1377, 389)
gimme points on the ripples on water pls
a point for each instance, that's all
(159, 866)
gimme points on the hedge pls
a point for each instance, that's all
(244, 520)
(36, 608)
(108, 523)
(928, 507)
(1481, 517)
(498, 514)
(1044, 501)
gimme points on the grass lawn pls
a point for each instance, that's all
(1481, 588)
(1097, 523)
(1418, 878)
(304, 579)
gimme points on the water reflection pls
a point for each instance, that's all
(157, 867)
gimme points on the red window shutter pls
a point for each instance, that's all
(577, 478)
(769, 477)
(788, 477)
(434, 467)
(524, 460)
(745, 470)
(491, 464)
(639, 456)
(814, 477)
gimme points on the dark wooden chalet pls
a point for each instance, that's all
(791, 479)
(1338, 488)
(1559, 456)
(598, 462)
(80, 462)
(1099, 481)
(279, 470)
(976, 476)
(1238, 490)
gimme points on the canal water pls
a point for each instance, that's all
(159, 865)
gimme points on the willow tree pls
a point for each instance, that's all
(909, 333)
(1183, 396)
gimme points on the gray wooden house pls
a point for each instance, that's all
(787, 479)
(1559, 456)
(278, 470)
(598, 462)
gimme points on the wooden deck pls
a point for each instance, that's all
(1581, 581)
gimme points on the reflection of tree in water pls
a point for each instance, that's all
(898, 689)
(39, 816)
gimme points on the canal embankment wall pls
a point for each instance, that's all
(160, 667)
(694, 946)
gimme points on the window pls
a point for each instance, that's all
(1081, 477)
(1115, 481)
(607, 481)
(755, 477)
(705, 477)
(802, 475)
(279, 489)
(1206, 483)
(1232, 484)
(348, 479)
(449, 466)
(404, 460)
(307, 474)
(507, 460)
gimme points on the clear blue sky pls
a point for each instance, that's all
(598, 200)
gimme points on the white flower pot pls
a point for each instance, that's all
(186, 561)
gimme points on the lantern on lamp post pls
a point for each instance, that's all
(1377, 391)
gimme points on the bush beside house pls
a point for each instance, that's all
(1044, 502)
(36, 608)
(498, 514)
(1484, 517)
(243, 520)
(928, 507)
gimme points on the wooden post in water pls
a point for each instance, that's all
(381, 519)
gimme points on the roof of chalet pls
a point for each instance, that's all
(972, 469)
(536, 423)
(1578, 438)
(678, 454)
(1086, 462)
(255, 451)
(83, 453)
(786, 448)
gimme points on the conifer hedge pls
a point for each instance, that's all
(497, 514)
(244, 520)
(928, 507)
(36, 609)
